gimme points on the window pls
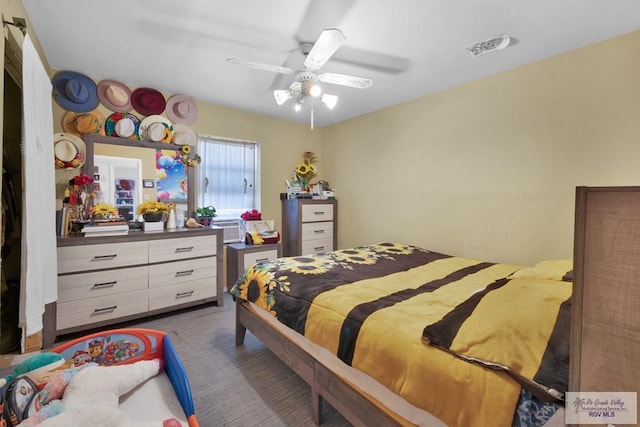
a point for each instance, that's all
(228, 176)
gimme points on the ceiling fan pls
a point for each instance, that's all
(306, 81)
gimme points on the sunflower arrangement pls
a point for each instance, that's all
(306, 169)
(105, 210)
(188, 158)
(150, 207)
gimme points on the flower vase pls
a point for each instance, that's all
(171, 221)
(153, 217)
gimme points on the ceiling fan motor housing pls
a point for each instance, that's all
(307, 79)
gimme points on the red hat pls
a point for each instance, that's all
(147, 101)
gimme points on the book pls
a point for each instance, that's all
(108, 223)
(107, 233)
(94, 229)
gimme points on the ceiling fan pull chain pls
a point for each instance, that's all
(311, 113)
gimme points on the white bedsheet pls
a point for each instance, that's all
(153, 402)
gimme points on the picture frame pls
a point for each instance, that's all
(147, 183)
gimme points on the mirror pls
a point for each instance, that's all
(130, 172)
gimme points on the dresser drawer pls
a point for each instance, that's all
(106, 307)
(108, 255)
(90, 285)
(191, 291)
(183, 271)
(254, 257)
(182, 248)
(317, 212)
(317, 230)
(317, 246)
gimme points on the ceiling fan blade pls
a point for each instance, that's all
(260, 66)
(375, 61)
(281, 96)
(346, 80)
(322, 14)
(326, 45)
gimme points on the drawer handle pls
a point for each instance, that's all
(184, 294)
(104, 285)
(262, 259)
(184, 273)
(317, 248)
(185, 249)
(104, 257)
(318, 231)
(319, 213)
(105, 310)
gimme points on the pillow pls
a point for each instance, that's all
(553, 269)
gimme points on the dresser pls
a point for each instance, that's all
(605, 319)
(309, 226)
(240, 256)
(105, 280)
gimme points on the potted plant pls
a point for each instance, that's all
(205, 215)
(103, 211)
(153, 211)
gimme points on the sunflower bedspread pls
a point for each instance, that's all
(454, 336)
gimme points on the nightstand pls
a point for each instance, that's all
(240, 256)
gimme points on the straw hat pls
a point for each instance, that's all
(83, 123)
(114, 95)
(156, 128)
(147, 101)
(74, 91)
(69, 150)
(182, 109)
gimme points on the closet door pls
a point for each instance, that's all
(605, 317)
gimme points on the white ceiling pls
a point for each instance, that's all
(409, 48)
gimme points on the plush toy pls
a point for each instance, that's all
(93, 393)
(36, 367)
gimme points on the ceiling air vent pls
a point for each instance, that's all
(486, 46)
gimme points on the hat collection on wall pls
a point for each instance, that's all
(81, 96)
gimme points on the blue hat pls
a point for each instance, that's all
(75, 92)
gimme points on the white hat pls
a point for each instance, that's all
(183, 135)
(124, 128)
(155, 131)
(161, 132)
(69, 151)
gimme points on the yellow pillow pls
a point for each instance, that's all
(553, 269)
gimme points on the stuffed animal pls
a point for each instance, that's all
(93, 393)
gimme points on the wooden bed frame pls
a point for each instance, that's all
(354, 404)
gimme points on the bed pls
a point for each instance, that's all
(164, 397)
(394, 334)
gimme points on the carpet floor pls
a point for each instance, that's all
(236, 386)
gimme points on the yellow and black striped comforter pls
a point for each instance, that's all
(454, 336)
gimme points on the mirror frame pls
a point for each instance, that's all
(90, 140)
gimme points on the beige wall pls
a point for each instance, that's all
(282, 144)
(488, 170)
(485, 170)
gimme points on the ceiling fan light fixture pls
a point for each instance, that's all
(315, 90)
(329, 100)
(281, 96)
(495, 43)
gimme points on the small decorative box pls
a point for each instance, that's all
(153, 226)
